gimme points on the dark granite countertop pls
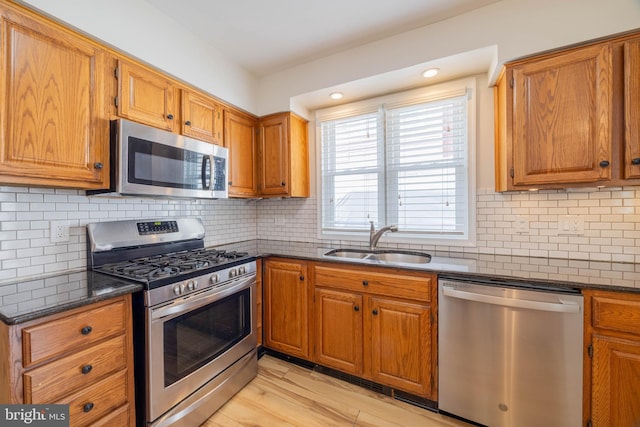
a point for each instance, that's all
(29, 299)
(25, 300)
(499, 269)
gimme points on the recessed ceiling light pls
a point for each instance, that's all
(336, 95)
(430, 72)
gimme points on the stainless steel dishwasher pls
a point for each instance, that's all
(510, 356)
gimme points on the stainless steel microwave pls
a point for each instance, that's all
(146, 161)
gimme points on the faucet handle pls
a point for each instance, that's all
(372, 226)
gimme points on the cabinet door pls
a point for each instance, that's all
(338, 322)
(201, 118)
(55, 129)
(615, 382)
(274, 156)
(400, 344)
(239, 138)
(146, 97)
(562, 114)
(286, 303)
(632, 108)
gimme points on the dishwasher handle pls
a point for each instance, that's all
(561, 307)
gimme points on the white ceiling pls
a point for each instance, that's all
(266, 36)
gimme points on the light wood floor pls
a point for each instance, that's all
(284, 394)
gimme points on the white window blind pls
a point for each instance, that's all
(406, 164)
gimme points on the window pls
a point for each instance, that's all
(405, 159)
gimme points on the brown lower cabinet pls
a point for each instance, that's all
(286, 295)
(375, 323)
(612, 359)
(82, 357)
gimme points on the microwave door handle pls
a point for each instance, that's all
(207, 185)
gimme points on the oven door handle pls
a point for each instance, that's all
(181, 306)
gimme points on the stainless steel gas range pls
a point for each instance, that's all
(194, 322)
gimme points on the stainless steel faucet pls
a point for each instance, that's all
(374, 235)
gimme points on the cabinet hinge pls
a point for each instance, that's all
(511, 82)
(590, 350)
(115, 73)
(432, 319)
(115, 101)
(432, 382)
(589, 423)
(511, 172)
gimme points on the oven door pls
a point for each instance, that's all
(192, 340)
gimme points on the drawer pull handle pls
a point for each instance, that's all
(604, 163)
(86, 369)
(635, 161)
(86, 330)
(170, 116)
(87, 407)
(365, 283)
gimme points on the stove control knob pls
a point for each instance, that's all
(177, 290)
(214, 278)
(242, 269)
(192, 285)
(233, 272)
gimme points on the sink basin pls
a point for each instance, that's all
(381, 256)
(348, 253)
(402, 257)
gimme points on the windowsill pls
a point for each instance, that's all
(359, 238)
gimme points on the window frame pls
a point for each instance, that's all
(405, 98)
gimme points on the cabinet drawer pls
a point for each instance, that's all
(378, 282)
(57, 379)
(119, 417)
(616, 314)
(46, 340)
(96, 401)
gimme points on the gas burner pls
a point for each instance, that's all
(161, 272)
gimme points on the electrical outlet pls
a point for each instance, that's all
(571, 225)
(59, 231)
(279, 220)
(522, 225)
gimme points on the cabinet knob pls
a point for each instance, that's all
(301, 277)
(356, 308)
(635, 161)
(604, 163)
(365, 283)
(283, 183)
(87, 407)
(375, 312)
(188, 123)
(86, 369)
(170, 116)
(98, 165)
(86, 330)
(230, 183)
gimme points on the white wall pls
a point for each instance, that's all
(140, 30)
(516, 27)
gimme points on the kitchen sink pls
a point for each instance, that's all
(381, 256)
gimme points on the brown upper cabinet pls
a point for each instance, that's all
(284, 156)
(240, 139)
(147, 97)
(54, 124)
(201, 117)
(561, 118)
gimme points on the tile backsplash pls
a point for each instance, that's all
(521, 224)
(25, 215)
